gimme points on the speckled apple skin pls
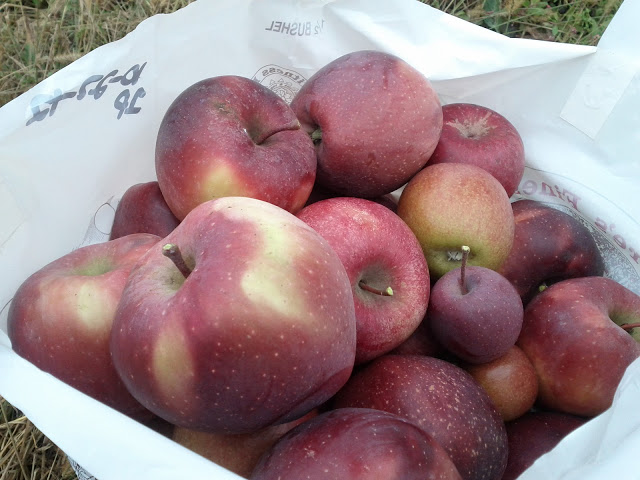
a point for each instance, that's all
(380, 119)
(480, 322)
(549, 245)
(260, 332)
(480, 136)
(231, 136)
(61, 317)
(356, 444)
(442, 399)
(570, 335)
(449, 205)
(378, 248)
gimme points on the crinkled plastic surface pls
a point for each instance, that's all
(74, 143)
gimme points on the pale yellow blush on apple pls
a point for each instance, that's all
(172, 364)
(222, 181)
(270, 279)
(95, 309)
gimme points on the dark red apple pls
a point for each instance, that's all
(480, 136)
(320, 193)
(386, 267)
(548, 245)
(579, 335)
(443, 400)
(356, 444)
(347, 105)
(143, 209)
(420, 342)
(231, 136)
(61, 317)
(534, 434)
(510, 381)
(475, 313)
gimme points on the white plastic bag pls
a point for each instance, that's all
(73, 144)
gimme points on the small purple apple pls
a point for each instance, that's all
(475, 313)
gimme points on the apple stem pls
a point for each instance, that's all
(316, 136)
(463, 269)
(172, 251)
(630, 326)
(387, 292)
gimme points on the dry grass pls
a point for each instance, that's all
(38, 37)
(25, 452)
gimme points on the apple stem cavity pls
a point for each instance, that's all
(171, 251)
(316, 136)
(463, 269)
(387, 292)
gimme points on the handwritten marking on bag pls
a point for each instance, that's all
(296, 28)
(44, 106)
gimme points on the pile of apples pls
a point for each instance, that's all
(338, 288)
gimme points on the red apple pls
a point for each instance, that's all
(449, 205)
(250, 322)
(143, 209)
(549, 245)
(475, 313)
(232, 136)
(578, 335)
(61, 317)
(386, 267)
(356, 444)
(510, 381)
(534, 434)
(443, 400)
(320, 193)
(237, 453)
(480, 136)
(346, 107)
(420, 342)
